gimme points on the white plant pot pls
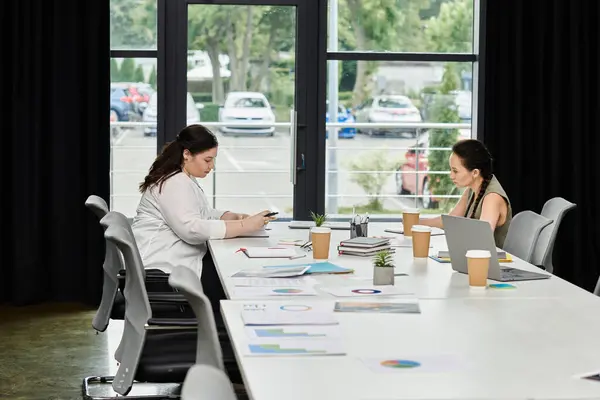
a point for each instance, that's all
(383, 276)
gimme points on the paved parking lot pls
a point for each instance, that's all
(252, 173)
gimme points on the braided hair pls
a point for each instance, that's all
(195, 138)
(474, 155)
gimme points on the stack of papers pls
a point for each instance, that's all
(364, 246)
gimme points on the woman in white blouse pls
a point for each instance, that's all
(174, 219)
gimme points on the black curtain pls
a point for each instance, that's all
(541, 117)
(55, 148)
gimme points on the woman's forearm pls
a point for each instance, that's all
(235, 228)
(433, 222)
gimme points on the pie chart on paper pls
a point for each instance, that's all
(400, 364)
(287, 291)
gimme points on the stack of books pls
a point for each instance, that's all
(364, 246)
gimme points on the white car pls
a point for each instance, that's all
(247, 107)
(390, 108)
(151, 113)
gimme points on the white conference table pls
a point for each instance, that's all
(508, 344)
(428, 279)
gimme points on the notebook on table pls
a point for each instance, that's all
(270, 252)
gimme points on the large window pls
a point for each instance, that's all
(241, 69)
(400, 90)
(133, 99)
(400, 79)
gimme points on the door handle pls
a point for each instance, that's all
(293, 148)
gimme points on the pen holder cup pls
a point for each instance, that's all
(359, 230)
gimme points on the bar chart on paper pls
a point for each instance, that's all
(296, 331)
(285, 347)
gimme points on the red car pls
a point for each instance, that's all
(415, 180)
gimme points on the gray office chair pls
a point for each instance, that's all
(523, 234)
(188, 283)
(157, 350)
(554, 209)
(205, 382)
(112, 265)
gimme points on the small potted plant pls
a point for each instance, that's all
(383, 268)
(319, 219)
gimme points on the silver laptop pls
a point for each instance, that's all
(463, 234)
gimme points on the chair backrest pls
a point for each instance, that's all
(523, 234)
(113, 263)
(137, 311)
(208, 350)
(205, 382)
(554, 209)
(97, 205)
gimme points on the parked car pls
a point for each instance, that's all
(409, 181)
(151, 113)
(120, 104)
(388, 108)
(247, 106)
(344, 115)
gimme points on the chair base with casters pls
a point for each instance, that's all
(107, 380)
(169, 351)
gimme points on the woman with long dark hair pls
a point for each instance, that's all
(174, 219)
(484, 199)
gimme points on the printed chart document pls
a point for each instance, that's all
(274, 282)
(406, 307)
(415, 364)
(294, 332)
(364, 291)
(288, 313)
(283, 272)
(293, 347)
(253, 291)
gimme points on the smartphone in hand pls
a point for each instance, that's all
(272, 214)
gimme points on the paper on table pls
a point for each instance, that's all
(298, 347)
(252, 291)
(415, 363)
(434, 231)
(274, 282)
(294, 332)
(288, 313)
(270, 252)
(405, 307)
(283, 272)
(364, 291)
(257, 234)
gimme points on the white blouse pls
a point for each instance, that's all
(172, 227)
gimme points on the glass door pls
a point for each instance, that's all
(243, 78)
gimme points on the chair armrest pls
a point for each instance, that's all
(174, 322)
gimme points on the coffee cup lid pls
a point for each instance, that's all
(421, 228)
(478, 254)
(411, 211)
(320, 229)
